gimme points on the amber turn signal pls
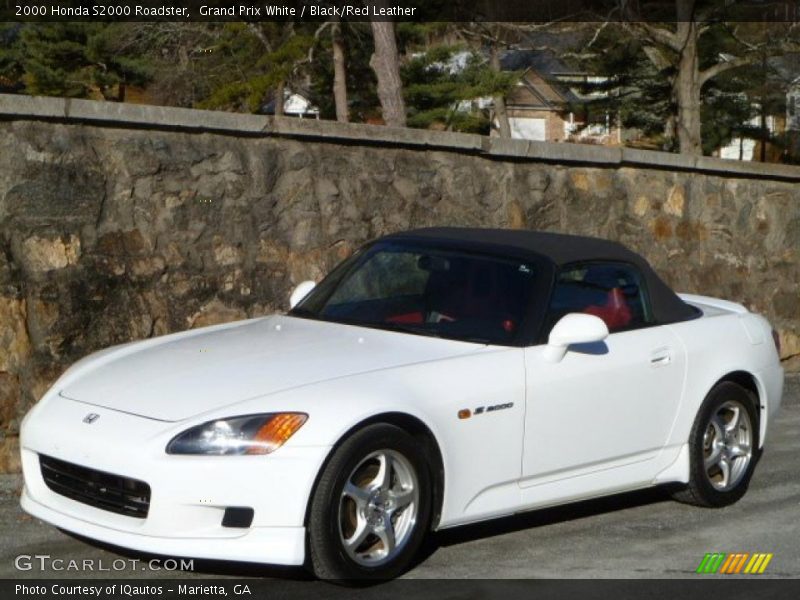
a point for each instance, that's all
(274, 433)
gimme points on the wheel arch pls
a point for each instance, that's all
(752, 384)
(415, 427)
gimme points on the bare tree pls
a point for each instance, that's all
(678, 47)
(339, 74)
(386, 64)
(500, 112)
(280, 99)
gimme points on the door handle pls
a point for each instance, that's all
(660, 357)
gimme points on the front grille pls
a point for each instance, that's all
(107, 491)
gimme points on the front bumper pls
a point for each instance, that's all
(271, 545)
(189, 493)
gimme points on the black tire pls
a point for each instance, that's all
(329, 559)
(700, 491)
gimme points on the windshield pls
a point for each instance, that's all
(425, 291)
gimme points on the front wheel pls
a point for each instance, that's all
(723, 447)
(371, 508)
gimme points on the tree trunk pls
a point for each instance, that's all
(279, 99)
(687, 82)
(763, 109)
(386, 64)
(500, 113)
(339, 74)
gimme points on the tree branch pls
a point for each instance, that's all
(658, 35)
(721, 67)
(256, 31)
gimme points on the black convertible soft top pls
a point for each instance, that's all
(558, 249)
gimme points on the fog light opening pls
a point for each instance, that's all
(238, 516)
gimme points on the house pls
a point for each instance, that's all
(782, 126)
(748, 148)
(793, 106)
(542, 105)
(295, 104)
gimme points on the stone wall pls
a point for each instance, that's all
(119, 223)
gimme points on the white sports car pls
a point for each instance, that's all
(435, 378)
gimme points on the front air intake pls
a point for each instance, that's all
(114, 493)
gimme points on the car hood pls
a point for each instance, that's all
(180, 376)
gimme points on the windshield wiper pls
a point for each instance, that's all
(475, 340)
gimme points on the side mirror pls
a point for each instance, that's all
(574, 328)
(300, 292)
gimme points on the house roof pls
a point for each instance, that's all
(544, 62)
(558, 41)
(548, 67)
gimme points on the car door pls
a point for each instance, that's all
(606, 405)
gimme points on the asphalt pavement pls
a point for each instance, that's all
(636, 535)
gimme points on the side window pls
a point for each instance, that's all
(612, 291)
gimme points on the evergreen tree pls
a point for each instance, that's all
(692, 54)
(443, 86)
(443, 78)
(641, 83)
(626, 84)
(259, 60)
(76, 60)
(11, 64)
(362, 97)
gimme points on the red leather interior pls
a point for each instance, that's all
(471, 295)
(477, 296)
(615, 312)
(412, 318)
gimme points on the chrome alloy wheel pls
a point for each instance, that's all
(378, 508)
(728, 446)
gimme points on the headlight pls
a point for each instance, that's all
(250, 434)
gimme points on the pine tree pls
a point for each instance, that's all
(362, 97)
(644, 84)
(444, 84)
(691, 54)
(76, 60)
(259, 60)
(11, 63)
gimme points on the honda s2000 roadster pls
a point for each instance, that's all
(436, 377)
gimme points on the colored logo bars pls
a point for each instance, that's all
(736, 563)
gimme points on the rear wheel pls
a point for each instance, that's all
(723, 447)
(371, 508)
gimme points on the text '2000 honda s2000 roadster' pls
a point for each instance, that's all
(437, 377)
